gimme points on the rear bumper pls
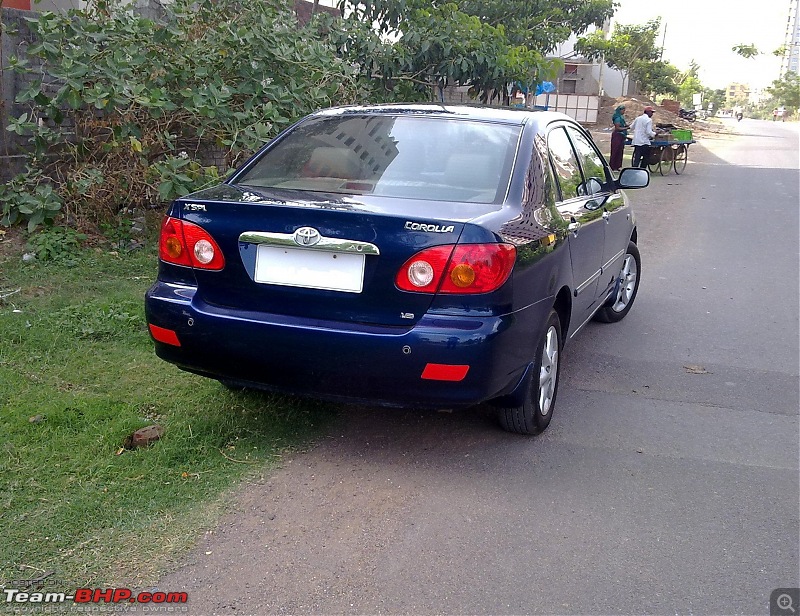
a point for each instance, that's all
(381, 365)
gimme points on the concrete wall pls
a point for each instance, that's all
(580, 107)
(57, 5)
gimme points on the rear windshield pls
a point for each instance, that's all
(436, 159)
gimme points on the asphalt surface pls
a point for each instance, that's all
(667, 482)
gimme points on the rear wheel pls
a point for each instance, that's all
(627, 287)
(533, 415)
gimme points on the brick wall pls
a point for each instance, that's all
(15, 38)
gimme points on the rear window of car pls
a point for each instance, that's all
(394, 156)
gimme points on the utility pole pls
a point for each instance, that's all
(606, 31)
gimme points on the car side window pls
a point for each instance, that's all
(593, 169)
(565, 164)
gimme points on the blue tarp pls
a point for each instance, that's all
(546, 87)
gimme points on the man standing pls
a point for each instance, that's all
(642, 134)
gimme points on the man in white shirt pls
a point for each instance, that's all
(642, 134)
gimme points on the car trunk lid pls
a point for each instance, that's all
(314, 256)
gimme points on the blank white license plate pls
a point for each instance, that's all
(314, 269)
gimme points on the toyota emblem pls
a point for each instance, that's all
(306, 236)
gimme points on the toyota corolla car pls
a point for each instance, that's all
(410, 255)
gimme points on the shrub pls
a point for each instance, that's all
(133, 112)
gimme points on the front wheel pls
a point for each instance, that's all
(533, 415)
(621, 301)
(681, 155)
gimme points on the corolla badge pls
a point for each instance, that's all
(306, 236)
(419, 226)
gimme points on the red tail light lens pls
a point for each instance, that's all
(458, 268)
(188, 244)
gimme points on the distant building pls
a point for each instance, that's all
(790, 62)
(736, 93)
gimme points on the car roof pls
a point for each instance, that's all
(507, 115)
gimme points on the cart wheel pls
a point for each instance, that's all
(681, 155)
(664, 160)
(654, 160)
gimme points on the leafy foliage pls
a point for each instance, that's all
(688, 84)
(631, 49)
(130, 110)
(661, 78)
(30, 197)
(540, 24)
(418, 45)
(746, 51)
(59, 244)
(786, 91)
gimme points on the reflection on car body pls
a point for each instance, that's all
(409, 255)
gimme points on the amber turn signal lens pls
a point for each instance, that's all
(173, 246)
(462, 275)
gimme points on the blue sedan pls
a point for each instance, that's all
(407, 255)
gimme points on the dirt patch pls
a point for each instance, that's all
(12, 243)
(634, 107)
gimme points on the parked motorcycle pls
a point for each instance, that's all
(689, 115)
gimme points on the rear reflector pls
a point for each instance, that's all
(167, 336)
(444, 372)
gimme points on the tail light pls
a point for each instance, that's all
(458, 268)
(188, 244)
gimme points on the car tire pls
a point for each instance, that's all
(619, 305)
(533, 415)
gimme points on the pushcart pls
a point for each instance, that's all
(666, 154)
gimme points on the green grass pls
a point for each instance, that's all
(77, 375)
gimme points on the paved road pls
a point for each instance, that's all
(666, 484)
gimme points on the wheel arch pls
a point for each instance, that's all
(563, 308)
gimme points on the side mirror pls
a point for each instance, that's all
(592, 186)
(631, 177)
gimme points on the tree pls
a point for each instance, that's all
(409, 47)
(539, 24)
(689, 84)
(631, 49)
(786, 91)
(658, 78)
(714, 98)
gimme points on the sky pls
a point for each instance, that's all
(706, 30)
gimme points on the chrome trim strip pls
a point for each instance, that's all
(328, 244)
(612, 259)
(582, 287)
